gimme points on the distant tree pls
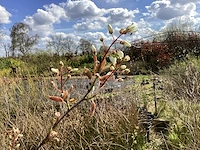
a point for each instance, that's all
(1, 32)
(85, 46)
(21, 41)
(6, 47)
(62, 45)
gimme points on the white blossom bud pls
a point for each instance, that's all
(54, 70)
(112, 68)
(127, 58)
(125, 43)
(131, 28)
(110, 29)
(120, 54)
(93, 49)
(123, 67)
(113, 60)
(121, 31)
(61, 63)
(74, 70)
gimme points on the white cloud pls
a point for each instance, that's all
(83, 13)
(39, 28)
(120, 16)
(43, 17)
(165, 9)
(82, 9)
(56, 11)
(184, 1)
(94, 35)
(4, 15)
(115, 16)
(186, 23)
(87, 25)
(112, 1)
(42, 21)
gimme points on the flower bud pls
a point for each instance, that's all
(88, 73)
(71, 89)
(16, 130)
(93, 107)
(20, 135)
(113, 60)
(120, 54)
(101, 39)
(123, 67)
(112, 68)
(65, 94)
(72, 100)
(127, 58)
(127, 71)
(120, 80)
(57, 114)
(53, 83)
(17, 146)
(110, 29)
(93, 49)
(74, 69)
(54, 70)
(53, 134)
(56, 139)
(131, 28)
(125, 43)
(56, 98)
(69, 68)
(121, 31)
(61, 63)
(97, 75)
(69, 76)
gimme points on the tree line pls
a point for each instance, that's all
(24, 42)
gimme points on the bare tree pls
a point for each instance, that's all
(21, 41)
(1, 32)
(85, 46)
(62, 45)
(6, 47)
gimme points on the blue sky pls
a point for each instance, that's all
(89, 18)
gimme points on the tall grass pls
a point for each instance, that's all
(24, 105)
(182, 95)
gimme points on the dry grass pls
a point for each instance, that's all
(24, 105)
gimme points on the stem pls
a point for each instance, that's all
(45, 140)
(106, 52)
(61, 79)
(155, 98)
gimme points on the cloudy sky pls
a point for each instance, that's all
(89, 18)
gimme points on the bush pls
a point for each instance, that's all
(10, 66)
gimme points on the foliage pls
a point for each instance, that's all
(21, 41)
(8, 66)
(183, 43)
(164, 49)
